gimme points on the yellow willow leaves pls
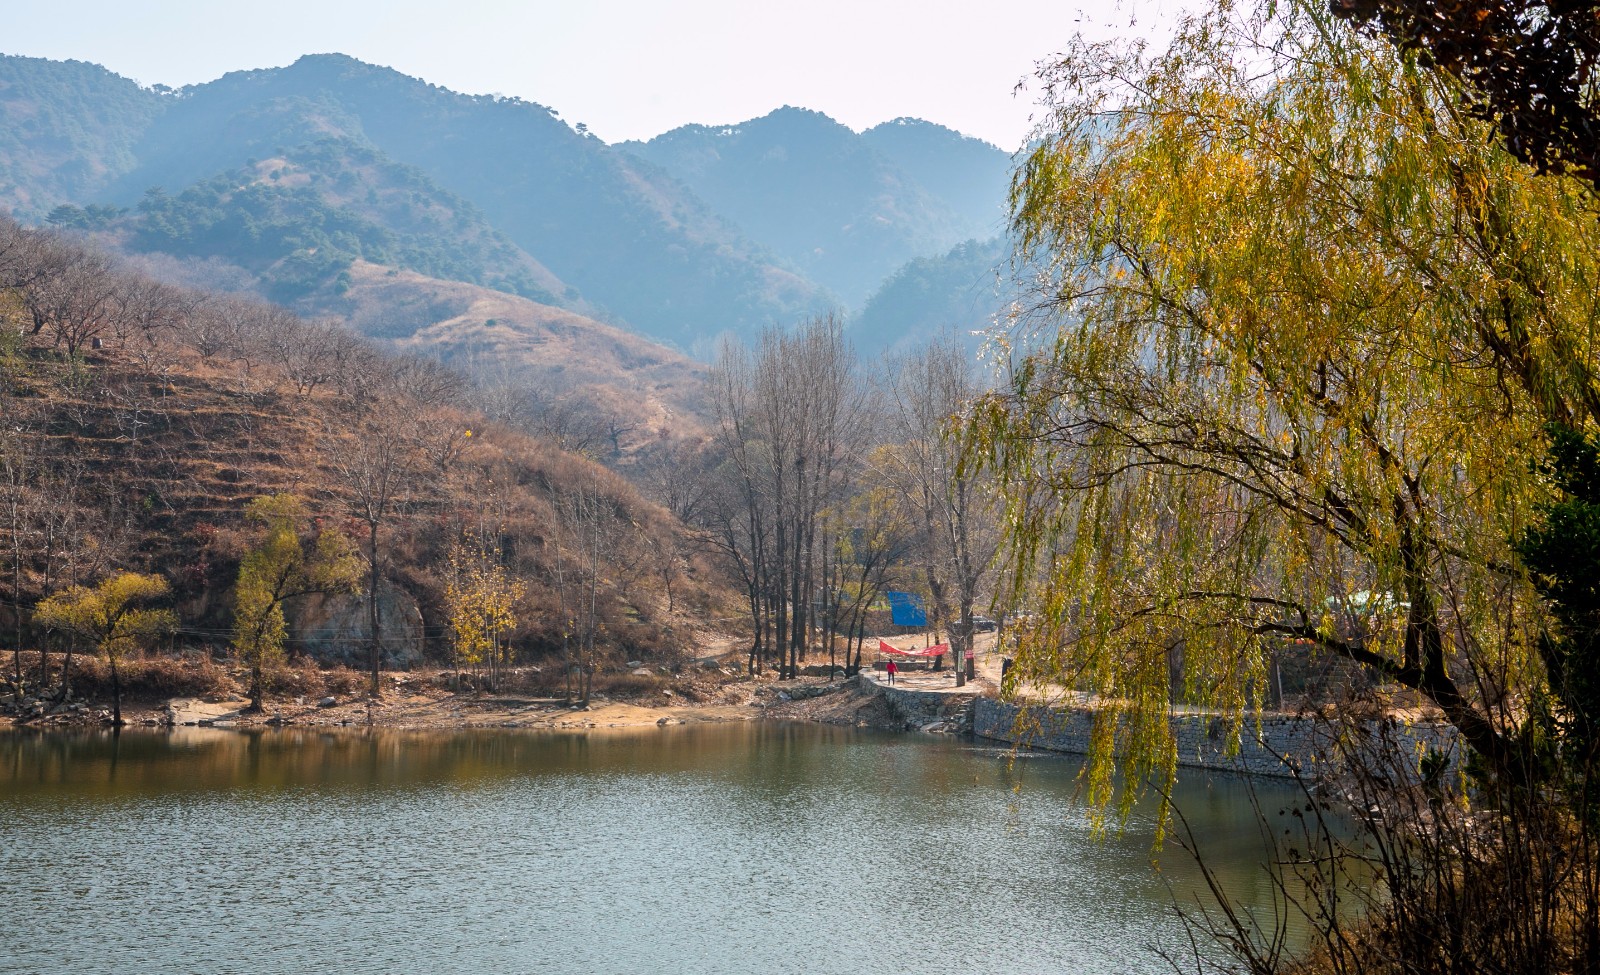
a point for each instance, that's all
(1305, 325)
(282, 565)
(110, 614)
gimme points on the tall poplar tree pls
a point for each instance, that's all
(790, 418)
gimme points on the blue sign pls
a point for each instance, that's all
(905, 609)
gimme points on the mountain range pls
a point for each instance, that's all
(308, 183)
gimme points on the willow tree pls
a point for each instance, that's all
(113, 617)
(284, 563)
(1305, 325)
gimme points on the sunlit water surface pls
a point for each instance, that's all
(711, 849)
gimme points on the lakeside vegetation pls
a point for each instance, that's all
(1310, 373)
(266, 487)
(203, 440)
(1322, 369)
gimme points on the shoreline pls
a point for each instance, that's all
(418, 702)
(707, 690)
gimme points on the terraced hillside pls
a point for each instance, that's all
(143, 450)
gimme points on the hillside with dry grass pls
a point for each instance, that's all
(140, 420)
(506, 342)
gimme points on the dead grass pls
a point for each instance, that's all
(306, 679)
(153, 678)
(208, 434)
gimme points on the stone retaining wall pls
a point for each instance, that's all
(918, 709)
(1202, 739)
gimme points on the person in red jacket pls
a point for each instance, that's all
(892, 669)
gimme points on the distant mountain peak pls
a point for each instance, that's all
(338, 66)
(799, 112)
(907, 125)
(703, 230)
(320, 69)
(334, 58)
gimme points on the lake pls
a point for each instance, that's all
(738, 848)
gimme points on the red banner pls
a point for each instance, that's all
(934, 651)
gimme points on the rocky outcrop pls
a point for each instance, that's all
(333, 629)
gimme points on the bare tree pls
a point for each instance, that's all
(145, 309)
(425, 381)
(309, 354)
(18, 473)
(76, 301)
(617, 426)
(878, 535)
(28, 255)
(788, 416)
(375, 470)
(732, 521)
(586, 517)
(929, 388)
(567, 420)
(216, 328)
(676, 476)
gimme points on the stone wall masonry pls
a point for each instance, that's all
(919, 709)
(1203, 739)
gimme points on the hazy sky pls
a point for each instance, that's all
(627, 69)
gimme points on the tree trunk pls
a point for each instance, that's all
(66, 671)
(256, 691)
(16, 608)
(44, 666)
(374, 645)
(116, 697)
(780, 607)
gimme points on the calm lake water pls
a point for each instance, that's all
(740, 848)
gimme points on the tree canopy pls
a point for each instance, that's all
(283, 565)
(113, 617)
(1306, 321)
(1529, 66)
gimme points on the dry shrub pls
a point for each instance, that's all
(693, 694)
(304, 678)
(548, 681)
(152, 677)
(293, 680)
(630, 685)
(1430, 876)
(343, 680)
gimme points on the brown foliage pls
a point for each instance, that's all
(149, 449)
(305, 679)
(152, 678)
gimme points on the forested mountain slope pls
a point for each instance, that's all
(619, 232)
(289, 176)
(298, 220)
(962, 292)
(67, 129)
(845, 209)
